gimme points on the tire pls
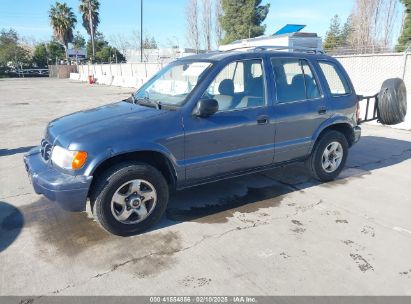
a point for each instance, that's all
(392, 102)
(315, 161)
(106, 209)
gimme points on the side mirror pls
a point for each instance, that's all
(206, 107)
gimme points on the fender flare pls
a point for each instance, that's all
(330, 123)
(110, 153)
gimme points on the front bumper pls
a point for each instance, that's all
(357, 134)
(69, 191)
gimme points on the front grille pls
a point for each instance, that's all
(45, 150)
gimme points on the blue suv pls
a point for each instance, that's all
(200, 119)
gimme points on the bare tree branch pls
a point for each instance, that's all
(218, 31)
(372, 24)
(207, 23)
(388, 19)
(135, 40)
(121, 42)
(193, 34)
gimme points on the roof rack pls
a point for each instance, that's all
(276, 48)
(280, 48)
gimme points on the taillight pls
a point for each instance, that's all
(358, 112)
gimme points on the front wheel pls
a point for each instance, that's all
(129, 198)
(329, 156)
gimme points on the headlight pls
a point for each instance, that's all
(67, 159)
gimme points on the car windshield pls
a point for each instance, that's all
(172, 84)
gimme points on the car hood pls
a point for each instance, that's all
(96, 121)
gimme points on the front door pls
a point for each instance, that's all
(240, 136)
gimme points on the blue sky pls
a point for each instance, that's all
(163, 18)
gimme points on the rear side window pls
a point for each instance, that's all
(337, 82)
(294, 80)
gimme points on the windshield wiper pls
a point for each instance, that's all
(131, 99)
(156, 102)
(148, 102)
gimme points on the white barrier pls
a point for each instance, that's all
(125, 74)
(74, 76)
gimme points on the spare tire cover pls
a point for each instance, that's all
(392, 102)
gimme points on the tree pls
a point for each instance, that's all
(40, 56)
(91, 19)
(149, 43)
(404, 40)
(55, 51)
(364, 20)
(333, 36)
(135, 40)
(346, 31)
(388, 17)
(173, 42)
(121, 42)
(193, 33)
(62, 20)
(109, 54)
(206, 23)
(12, 54)
(104, 52)
(218, 31)
(153, 43)
(372, 25)
(78, 41)
(243, 19)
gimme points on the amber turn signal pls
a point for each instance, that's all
(79, 160)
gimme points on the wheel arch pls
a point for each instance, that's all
(154, 158)
(344, 127)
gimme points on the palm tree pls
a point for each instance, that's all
(90, 14)
(62, 20)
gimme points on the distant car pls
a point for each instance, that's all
(201, 119)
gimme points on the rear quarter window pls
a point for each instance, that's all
(336, 80)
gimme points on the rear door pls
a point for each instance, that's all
(299, 109)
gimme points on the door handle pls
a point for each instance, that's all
(263, 120)
(322, 110)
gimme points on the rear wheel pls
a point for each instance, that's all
(129, 198)
(329, 156)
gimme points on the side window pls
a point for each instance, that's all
(235, 73)
(294, 80)
(337, 83)
(239, 85)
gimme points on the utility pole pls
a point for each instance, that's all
(141, 32)
(90, 17)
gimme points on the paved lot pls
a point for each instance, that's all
(277, 233)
